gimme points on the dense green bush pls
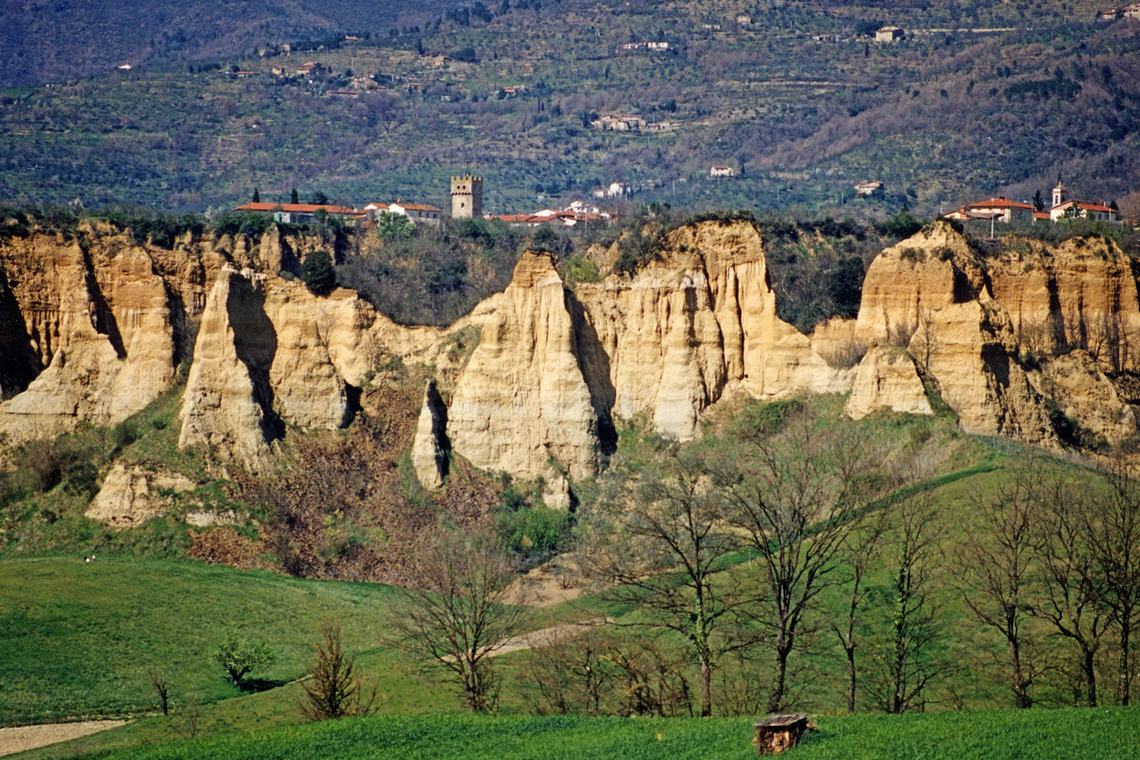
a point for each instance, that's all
(318, 274)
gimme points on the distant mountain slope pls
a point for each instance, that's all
(55, 40)
(798, 99)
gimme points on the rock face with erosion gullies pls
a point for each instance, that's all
(96, 334)
(269, 353)
(522, 401)
(1027, 341)
(930, 295)
(1085, 395)
(1080, 294)
(555, 367)
(667, 341)
(430, 447)
(887, 379)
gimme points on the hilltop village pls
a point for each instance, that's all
(466, 203)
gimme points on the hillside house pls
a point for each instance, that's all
(417, 213)
(889, 34)
(615, 190)
(574, 214)
(299, 213)
(619, 122)
(722, 171)
(1067, 208)
(311, 69)
(1000, 209)
(870, 189)
(1091, 210)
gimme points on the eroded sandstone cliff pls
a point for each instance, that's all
(534, 380)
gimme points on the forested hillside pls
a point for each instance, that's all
(799, 100)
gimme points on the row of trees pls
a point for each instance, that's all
(742, 562)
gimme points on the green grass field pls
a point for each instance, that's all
(77, 638)
(1104, 734)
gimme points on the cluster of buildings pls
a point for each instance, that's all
(1115, 14)
(466, 203)
(632, 123)
(1005, 210)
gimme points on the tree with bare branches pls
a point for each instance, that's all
(1112, 530)
(861, 551)
(796, 497)
(663, 546)
(905, 660)
(1068, 600)
(459, 613)
(995, 566)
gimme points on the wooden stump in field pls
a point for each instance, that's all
(778, 733)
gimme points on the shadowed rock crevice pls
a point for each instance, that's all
(19, 364)
(255, 344)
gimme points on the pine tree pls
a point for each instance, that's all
(256, 195)
(293, 198)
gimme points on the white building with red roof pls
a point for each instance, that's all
(1062, 208)
(299, 213)
(416, 212)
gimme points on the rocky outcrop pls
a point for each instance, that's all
(930, 295)
(1080, 294)
(532, 381)
(227, 404)
(101, 329)
(270, 353)
(132, 495)
(697, 318)
(887, 379)
(522, 401)
(430, 447)
(1086, 397)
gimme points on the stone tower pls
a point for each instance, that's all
(466, 197)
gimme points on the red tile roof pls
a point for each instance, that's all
(417, 206)
(296, 208)
(1000, 202)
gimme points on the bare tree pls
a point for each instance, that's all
(924, 342)
(663, 548)
(994, 570)
(573, 674)
(797, 496)
(162, 687)
(459, 614)
(860, 552)
(905, 661)
(1112, 529)
(334, 687)
(1068, 600)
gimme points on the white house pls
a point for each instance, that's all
(1062, 208)
(1000, 209)
(416, 212)
(722, 171)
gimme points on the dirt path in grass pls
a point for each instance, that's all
(21, 738)
(546, 636)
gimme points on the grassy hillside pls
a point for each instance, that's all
(78, 637)
(955, 111)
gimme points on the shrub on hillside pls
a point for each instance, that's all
(318, 274)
